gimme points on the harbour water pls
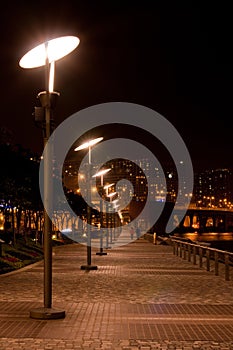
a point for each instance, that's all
(222, 241)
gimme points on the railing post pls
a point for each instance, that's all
(227, 274)
(216, 263)
(194, 256)
(208, 253)
(207, 260)
(200, 256)
(174, 247)
(184, 251)
(189, 252)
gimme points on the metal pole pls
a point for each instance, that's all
(110, 209)
(89, 266)
(47, 221)
(47, 312)
(88, 216)
(101, 252)
(47, 197)
(107, 226)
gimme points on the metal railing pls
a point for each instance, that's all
(204, 256)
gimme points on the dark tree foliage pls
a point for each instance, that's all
(78, 204)
(19, 177)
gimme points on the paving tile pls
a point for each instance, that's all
(142, 296)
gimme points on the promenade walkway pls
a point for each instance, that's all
(140, 297)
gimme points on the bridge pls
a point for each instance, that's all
(196, 219)
(207, 220)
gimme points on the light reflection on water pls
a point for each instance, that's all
(210, 236)
(223, 241)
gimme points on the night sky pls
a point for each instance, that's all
(173, 57)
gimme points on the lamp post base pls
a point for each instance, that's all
(101, 253)
(45, 313)
(89, 267)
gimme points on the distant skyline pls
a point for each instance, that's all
(172, 57)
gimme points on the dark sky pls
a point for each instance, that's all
(174, 57)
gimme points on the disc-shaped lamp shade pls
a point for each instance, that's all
(109, 185)
(101, 172)
(54, 50)
(112, 194)
(88, 144)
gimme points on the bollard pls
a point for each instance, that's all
(154, 238)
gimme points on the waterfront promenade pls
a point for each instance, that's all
(142, 296)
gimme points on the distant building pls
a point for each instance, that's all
(214, 188)
(142, 181)
(138, 178)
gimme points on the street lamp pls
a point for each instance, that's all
(46, 54)
(89, 145)
(111, 195)
(116, 207)
(107, 187)
(101, 173)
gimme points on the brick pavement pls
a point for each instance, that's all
(140, 297)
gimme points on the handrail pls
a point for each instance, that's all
(181, 247)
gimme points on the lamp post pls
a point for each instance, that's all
(88, 145)
(106, 187)
(101, 174)
(45, 55)
(111, 195)
(116, 206)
